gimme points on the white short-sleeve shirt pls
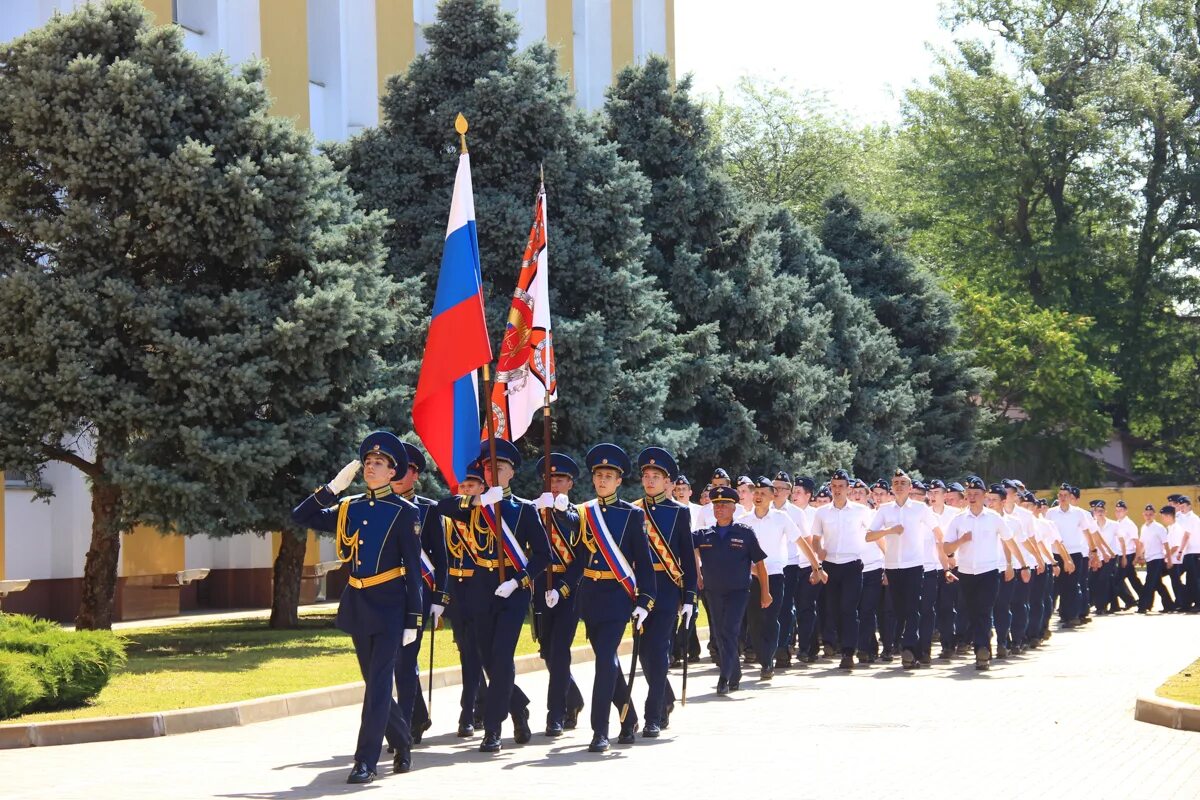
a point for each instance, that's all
(982, 553)
(1154, 540)
(908, 548)
(1073, 524)
(843, 531)
(775, 530)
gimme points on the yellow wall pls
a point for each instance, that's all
(560, 33)
(622, 35)
(312, 548)
(1, 526)
(284, 31)
(145, 551)
(670, 11)
(395, 38)
(162, 11)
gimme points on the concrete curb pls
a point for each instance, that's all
(245, 712)
(1168, 713)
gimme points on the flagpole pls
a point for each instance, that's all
(549, 514)
(460, 125)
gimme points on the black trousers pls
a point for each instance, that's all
(841, 597)
(764, 622)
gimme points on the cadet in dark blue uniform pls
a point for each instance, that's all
(433, 595)
(617, 570)
(557, 611)
(498, 608)
(727, 552)
(379, 535)
(669, 534)
(461, 567)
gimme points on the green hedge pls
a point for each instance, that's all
(44, 667)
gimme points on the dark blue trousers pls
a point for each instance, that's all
(787, 608)
(842, 594)
(764, 622)
(1070, 589)
(929, 588)
(1101, 585)
(726, 610)
(556, 633)
(408, 683)
(1048, 600)
(904, 585)
(977, 597)
(885, 616)
(605, 609)
(869, 596)
(806, 610)
(1020, 608)
(497, 631)
(655, 649)
(947, 613)
(1191, 568)
(380, 716)
(1154, 584)
(1002, 610)
(1037, 604)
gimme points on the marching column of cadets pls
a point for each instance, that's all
(790, 574)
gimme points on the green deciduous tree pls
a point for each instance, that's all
(614, 327)
(190, 300)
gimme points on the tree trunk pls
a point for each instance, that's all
(100, 568)
(289, 564)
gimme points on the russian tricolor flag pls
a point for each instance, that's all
(446, 407)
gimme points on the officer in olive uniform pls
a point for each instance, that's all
(498, 605)
(379, 536)
(728, 550)
(433, 592)
(669, 534)
(618, 582)
(557, 614)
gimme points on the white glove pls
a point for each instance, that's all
(344, 478)
(506, 588)
(639, 616)
(410, 636)
(545, 500)
(552, 598)
(436, 611)
(491, 496)
(686, 613)
(561, 502)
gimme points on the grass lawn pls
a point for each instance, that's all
(201, 664)
(1184, 685)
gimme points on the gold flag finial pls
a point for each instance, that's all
(460, 125)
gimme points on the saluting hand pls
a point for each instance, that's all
(345, 477)
(491, 496)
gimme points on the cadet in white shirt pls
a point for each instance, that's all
(840, 527)
(682, 492)
(951, 626)
(1175, 536)
(782, 489)
(1103, 580)
(908, 526)
(1152, 549)
(1189, 549)
(775, 531)
(1074, 527)
(976, 537)
(874, 604)
(1126, 574)
(706, 519)
(1041, 593)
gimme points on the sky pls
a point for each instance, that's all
(863, 53)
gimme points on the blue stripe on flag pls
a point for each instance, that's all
(466, 424)
(459, 277)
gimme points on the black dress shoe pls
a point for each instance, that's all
(572, 718)
(360, 774)
(402, 762)
(599, 743)
(847, 662)
(887, 655)
(477, 720)
(651, 731)
(926, 659)
(1001, 652)
(734, 686)
(490, 743)
(628, 734)
(722, 687)
(521, 731)
(766, 673)
(666, 717)
(418, 730)
(554, 729)
(466, 730)
(675, 662)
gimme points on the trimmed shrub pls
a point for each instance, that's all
(69, 667)
(19, 685)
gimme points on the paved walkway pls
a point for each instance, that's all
(1056, 724)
